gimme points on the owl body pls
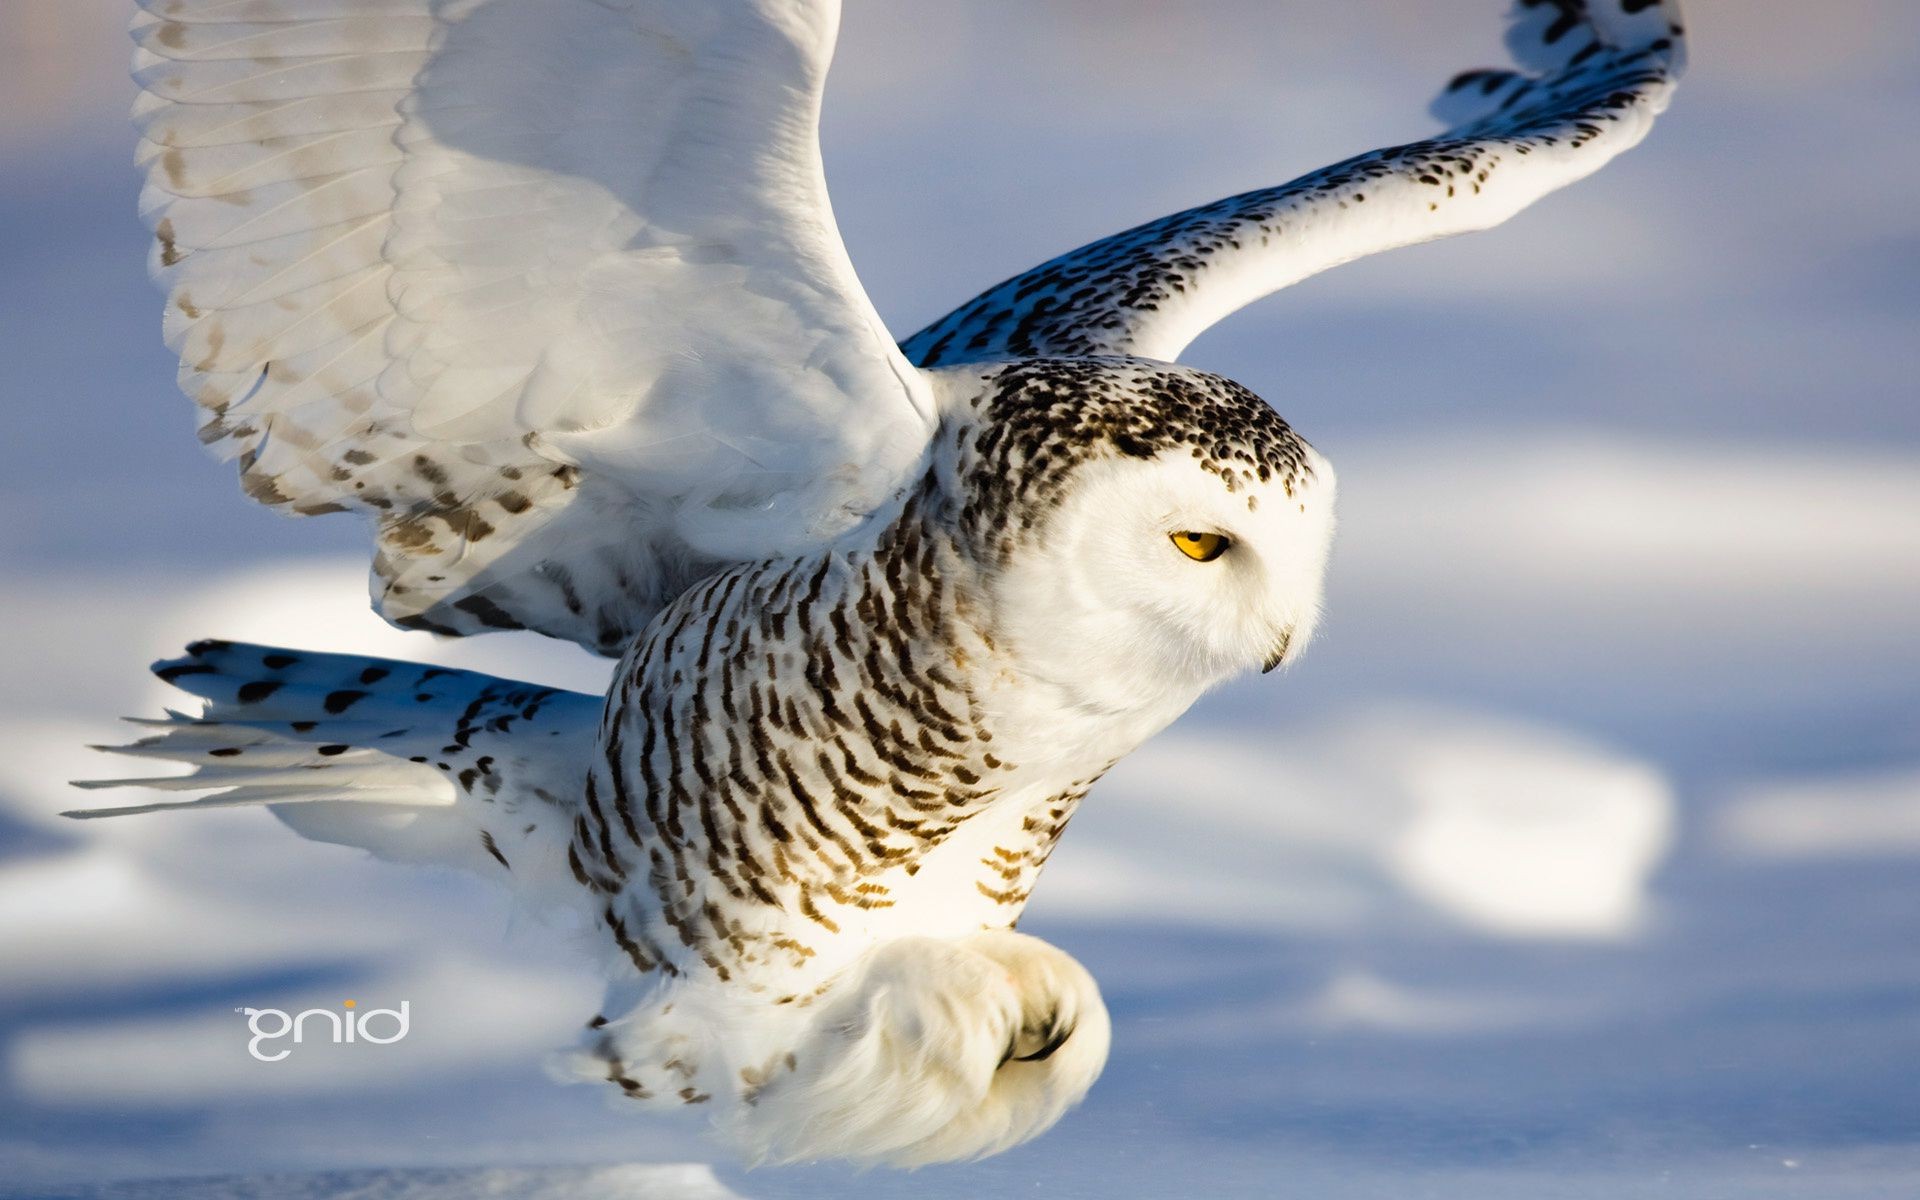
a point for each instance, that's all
(810, 809)
(804, 760)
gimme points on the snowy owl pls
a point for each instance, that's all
(551, 291)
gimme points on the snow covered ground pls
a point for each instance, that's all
(1580, 857)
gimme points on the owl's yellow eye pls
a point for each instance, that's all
(1201, 547)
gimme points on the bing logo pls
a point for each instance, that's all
(350, 1024)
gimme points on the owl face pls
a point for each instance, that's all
(1151, 581)
(1156, 529)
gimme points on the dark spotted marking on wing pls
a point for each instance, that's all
(258, 690)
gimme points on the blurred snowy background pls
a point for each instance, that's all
(1580, 857)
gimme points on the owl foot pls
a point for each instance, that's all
(1054, 991)
(934, 1050)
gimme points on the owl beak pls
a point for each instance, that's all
(1278, 654)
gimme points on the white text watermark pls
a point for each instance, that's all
(349, 1024)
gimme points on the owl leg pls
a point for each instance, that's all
(1051, 1057)
(933, 1050)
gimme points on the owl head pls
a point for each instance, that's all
(1148, 530)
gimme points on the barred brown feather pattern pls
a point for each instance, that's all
(790, 741)
(795, 737)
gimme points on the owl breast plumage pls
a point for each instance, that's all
(550, 292)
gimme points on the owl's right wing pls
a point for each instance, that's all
(550, 288)
(1594, 75)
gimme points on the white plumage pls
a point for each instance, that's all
(552, 291)
(522, 270)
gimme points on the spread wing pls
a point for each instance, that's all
(550, 288)
(1594, 75)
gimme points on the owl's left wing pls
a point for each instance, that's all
(1595, 74)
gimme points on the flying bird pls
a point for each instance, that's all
(551, 292)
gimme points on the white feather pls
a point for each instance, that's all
(500, 237)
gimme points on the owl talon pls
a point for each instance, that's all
(1055, 1036)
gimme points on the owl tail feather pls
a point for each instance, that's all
(412, 762)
